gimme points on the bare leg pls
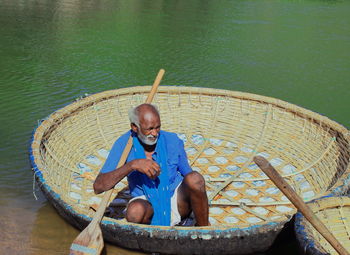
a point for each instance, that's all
(139, 211)
(192, 195)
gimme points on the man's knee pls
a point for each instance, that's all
(195, 181)
(138, 211)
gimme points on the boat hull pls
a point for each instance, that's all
(176, 240)
(334, 213)
(246, 210)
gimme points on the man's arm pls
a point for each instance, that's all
(106, 181)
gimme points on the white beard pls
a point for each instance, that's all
(146, 139)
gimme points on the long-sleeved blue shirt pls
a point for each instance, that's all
(178, 166)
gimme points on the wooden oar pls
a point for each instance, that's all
(90, 240)
(287, 190)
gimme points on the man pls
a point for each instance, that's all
(164, 188)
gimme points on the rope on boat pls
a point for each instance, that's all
(169, 108)
(252, 204)
(333, 139)
(120, 114)
(247, 163)
(56, 159)
(189, 99)
(341, 211)
(99, 125)
(204, 146)
(245, 208)
(305, 247)
(223, 194)
(36, 198)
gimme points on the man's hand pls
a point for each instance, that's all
(146, 166)
(106, 181)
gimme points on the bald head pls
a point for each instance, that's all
(143, 112)
(145, 122)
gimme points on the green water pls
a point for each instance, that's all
(55, 51)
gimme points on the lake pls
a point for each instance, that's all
(53, 52)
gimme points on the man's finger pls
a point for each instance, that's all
(153, 173)
(156, 172)
(156, 166)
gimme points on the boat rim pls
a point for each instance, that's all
(63, 112)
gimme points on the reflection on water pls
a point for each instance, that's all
(51, 232)
(55, 51)
(40, 231)
(15, 223)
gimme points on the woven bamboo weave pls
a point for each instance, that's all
(334, 212)
(222, 131)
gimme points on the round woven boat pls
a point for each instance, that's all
(222, 132)
(334, 212)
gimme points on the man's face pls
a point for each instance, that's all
(149, 128)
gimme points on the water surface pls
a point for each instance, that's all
(55, 51)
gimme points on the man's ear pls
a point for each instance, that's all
(134, 127)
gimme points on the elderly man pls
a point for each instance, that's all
(164, 188)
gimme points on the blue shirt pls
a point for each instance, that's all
(177, 162)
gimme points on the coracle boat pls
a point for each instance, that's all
(334, 212)
(222, 132)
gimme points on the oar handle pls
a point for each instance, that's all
(105, 199)
(104, 202)
(288, 191)
(155, 86)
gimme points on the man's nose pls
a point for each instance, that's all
(154, 132)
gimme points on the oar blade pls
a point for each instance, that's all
(88, 242)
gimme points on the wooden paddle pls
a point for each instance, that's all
(90, 240)
(287, 190)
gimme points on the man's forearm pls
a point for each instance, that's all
(106, 181)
